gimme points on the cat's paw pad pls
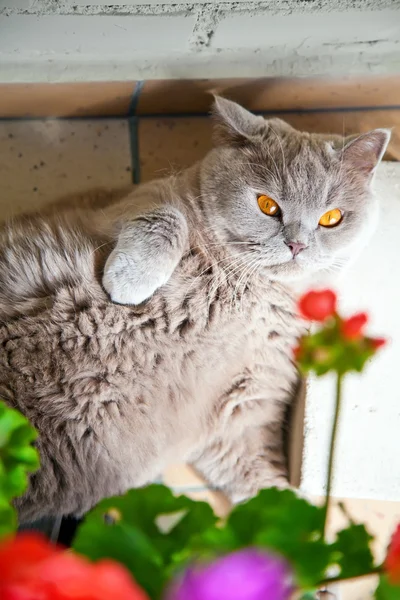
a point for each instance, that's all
(127, 282)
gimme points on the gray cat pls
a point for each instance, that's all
(202, 371)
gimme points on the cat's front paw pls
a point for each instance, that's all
(129, 282)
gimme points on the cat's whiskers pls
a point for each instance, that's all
(220, 278)
(280, 143)
(101, 246)
(221, 245)
(253, 271)
(212, 250)
(271, 174)
(238, 268)
(207, 234)
(244, 256)
(273, 160)
(204, 244)
(244, 272)
(335, 267)
(258, 165)
(342, 153)
(198, 196)
(235, 259)
(242, 281)
(228, 271)
(338, 266)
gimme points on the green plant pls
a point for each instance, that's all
(17, 459)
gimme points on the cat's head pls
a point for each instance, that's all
(296, 202)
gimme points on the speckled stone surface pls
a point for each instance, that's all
(43, 160)
(170, 144)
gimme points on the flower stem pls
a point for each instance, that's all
(332, 451)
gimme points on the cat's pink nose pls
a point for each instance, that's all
(295, 247)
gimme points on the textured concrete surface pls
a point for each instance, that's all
(308, 30)
(52, 40)
(60, 35)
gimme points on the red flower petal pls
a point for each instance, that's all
(73, 577)
(377, 343)
(112, 577)
(33, 569)
(20, 556)
(352, 328)
(392, 562)
(20, 592)
(66, 570)
(318, 305)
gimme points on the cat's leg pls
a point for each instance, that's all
(244, 450)
(242, 466)
(148, 249)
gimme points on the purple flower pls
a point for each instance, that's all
(249, 574)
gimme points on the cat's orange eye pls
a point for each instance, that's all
(331, 218)
(268, 206)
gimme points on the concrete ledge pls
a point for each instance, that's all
(79, 40)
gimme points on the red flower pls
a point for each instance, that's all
(33, 569)
(377, 343)
(318, 305)
(392, 562)
(352, 328)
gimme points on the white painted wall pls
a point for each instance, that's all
(72, 40)
(368, 455)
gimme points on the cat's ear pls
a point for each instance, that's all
(234, 125)
(365, 152)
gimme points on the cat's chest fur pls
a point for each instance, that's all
(229, 334)
(149, 383)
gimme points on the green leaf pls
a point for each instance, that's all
(13, 482)
(206, 545)
(353, 547)
(8, 518)
(136, 538)
(127, 545)
(328, 350)
(386, 590)
(17, 459)
(280, 521)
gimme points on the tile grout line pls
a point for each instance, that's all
(133, 104)
(178, 115)
(133, 126)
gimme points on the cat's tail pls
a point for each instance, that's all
(39, 256)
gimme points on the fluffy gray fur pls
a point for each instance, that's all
(202, 371)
